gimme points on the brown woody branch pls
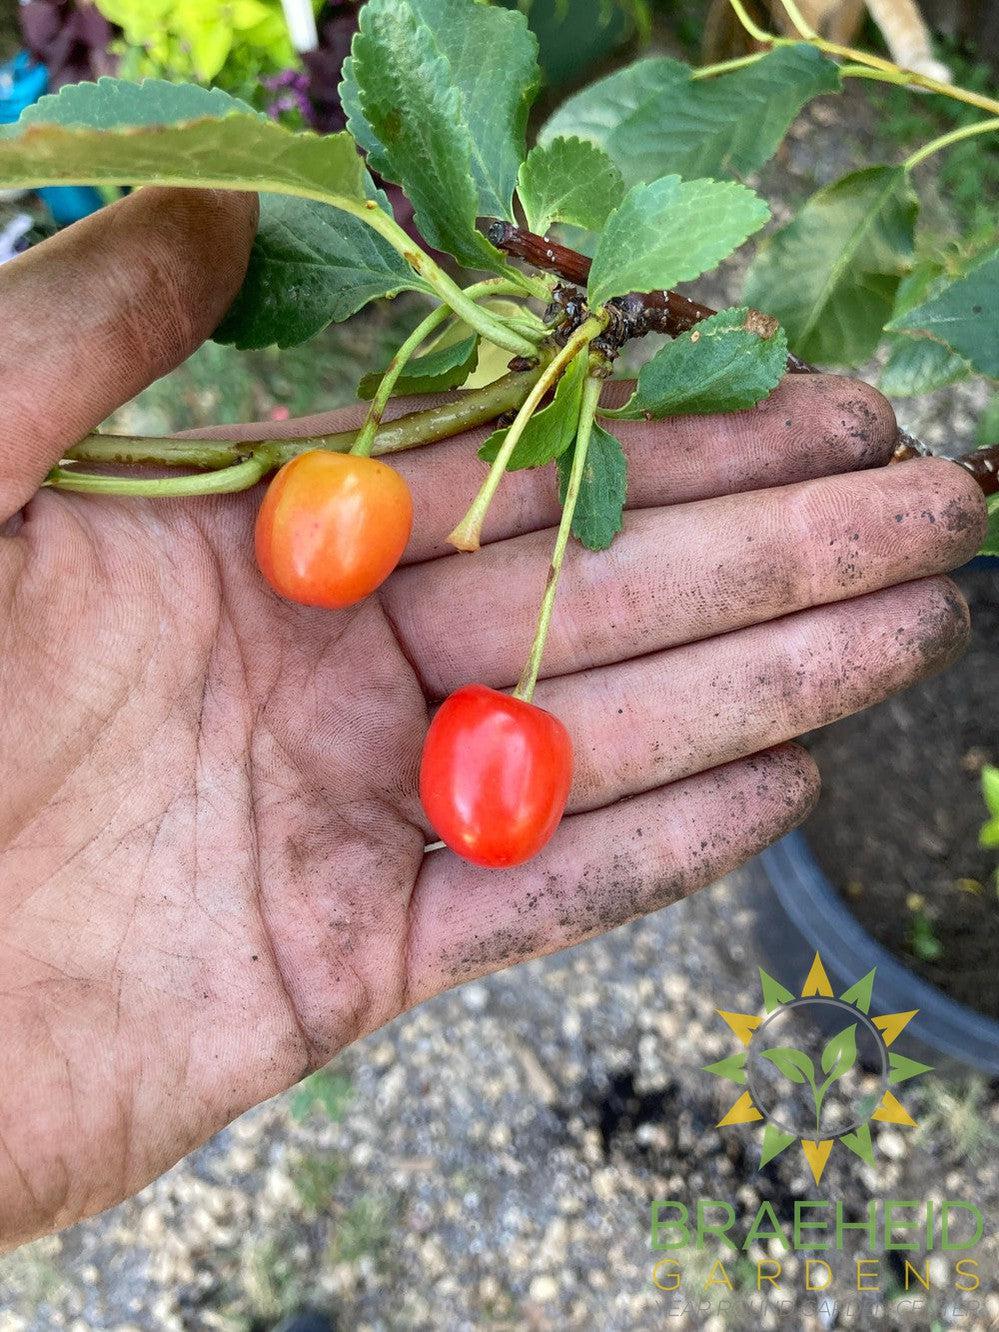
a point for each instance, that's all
(672, 313)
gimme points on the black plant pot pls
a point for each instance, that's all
(807, 916)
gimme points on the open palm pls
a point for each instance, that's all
(212, 868)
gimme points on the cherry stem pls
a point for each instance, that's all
(490, 287)
(468, 533)
(464, 411)
(223, 481)
(588, 407)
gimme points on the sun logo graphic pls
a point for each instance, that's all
(817, 1069)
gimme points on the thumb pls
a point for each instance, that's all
(99, 311)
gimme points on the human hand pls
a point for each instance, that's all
(212, 868)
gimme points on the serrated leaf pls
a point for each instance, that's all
(568, 180)
(727, 363)
(437, 92)
(310, 265)
(919, 365)
(549, 432)
(962, 316)
(415, 110)
(238, 150)
(116, 103)
(671, 231)
(599, 512)
(795, 1065)
(840, 1053)
(653, 117)
(830, 276)
(446, 367)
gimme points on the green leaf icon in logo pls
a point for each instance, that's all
(794, 1064)
(840, 1054)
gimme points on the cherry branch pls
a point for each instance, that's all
(672, 313)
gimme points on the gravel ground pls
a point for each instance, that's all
(490, 1159)
(495, 1163)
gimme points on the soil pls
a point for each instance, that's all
(896, 828)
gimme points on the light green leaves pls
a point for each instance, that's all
(669, 232)
(438, 92)
(568, 180)
(241, 150)
(731, 361)
(653, 117)
(830, 276)
(598, 516)
(840, 1054)
(988, 836)
(963, 316)
(796, 1066)
(550, 431)
(446, 367)
(310, 265)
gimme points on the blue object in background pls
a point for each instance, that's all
(22, 82)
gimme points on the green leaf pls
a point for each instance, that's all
(116, 103)
(446, 367)
(830, 275)
(669, 232)
(414, 108)
(840, 1053)
(310, 265)
(919, 365)
(653, 117)
(549, 432)
(568, 180)
(600, 506)
(962, 317)
(988, 424)
(731, 361)
(794, 1064)
(991, 544)
(990, 789)
(137, 145)
(437, 92)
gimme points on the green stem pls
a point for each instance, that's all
(489, 325)
(727, 66)
(466, 536)
(423, 330)
(895, 73)
(463, 412)
(587, 411)
(241, 476)
(945, 140)
(395, 367)
(757, 33)
(798, 21)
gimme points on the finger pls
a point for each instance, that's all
(99, 311)
(641, 724)
(684, 573)
(810, 426)
(602, 869)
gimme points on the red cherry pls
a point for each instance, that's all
(495, 776)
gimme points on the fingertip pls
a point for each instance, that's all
(855, 416)
(788, 784)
